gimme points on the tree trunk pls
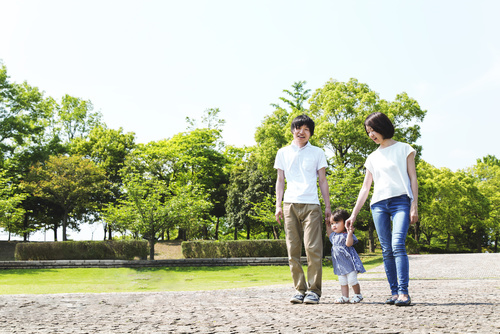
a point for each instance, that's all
(152, 249)
(496, 243)
(65, 224)
(371, 236)
(217, 229)
(417, 231)
(25, 225)
(276, 233)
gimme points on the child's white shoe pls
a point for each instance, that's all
(356, 299)
(342, 300)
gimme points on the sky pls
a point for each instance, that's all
(147, 65)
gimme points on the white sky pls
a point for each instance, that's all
(146, 65)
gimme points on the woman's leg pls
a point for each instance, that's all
(400, 208)
(382, 220)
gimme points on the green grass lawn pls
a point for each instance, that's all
(98, 280)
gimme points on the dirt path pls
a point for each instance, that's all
(442, 303)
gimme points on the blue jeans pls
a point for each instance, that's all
(392, 239)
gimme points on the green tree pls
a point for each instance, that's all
(108, 148)
(11, 213)
(454, 207)
(76, 117)
(23, 114)
(72, 183)
(161, 189)
(339, 110)
(487, 173)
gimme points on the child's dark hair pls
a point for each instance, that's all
(380, 123)
(339, 215)
(301, 120)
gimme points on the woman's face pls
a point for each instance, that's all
(374, 135)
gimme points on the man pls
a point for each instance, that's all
(303, 165)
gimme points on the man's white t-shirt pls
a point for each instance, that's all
(390, 171)
(301, 165)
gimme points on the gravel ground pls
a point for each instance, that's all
(450, 293)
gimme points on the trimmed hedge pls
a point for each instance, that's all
(234, 248)
(82, 250)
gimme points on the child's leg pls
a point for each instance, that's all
(352, 278)
(344, 288)
(344, 285)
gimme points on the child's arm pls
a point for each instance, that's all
(328, 229)
(350, 240)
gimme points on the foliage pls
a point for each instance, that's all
(196, 185)
(234, 248)
(11, 213)
(71, 183)
(452, 206)
(340, 109)
(82, 250)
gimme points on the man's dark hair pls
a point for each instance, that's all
(339, 215)
(301, 120)
(380, 123)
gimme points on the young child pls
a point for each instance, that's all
(345, 259)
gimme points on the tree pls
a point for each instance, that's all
(247, 187)
(487, 173)
(11, 213)
(23, 114)
(72, 183)
(339, 110)
(76, 117)
(108, 148)
(454, 207)
(160, 190)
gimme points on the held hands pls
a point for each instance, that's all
(349, 223)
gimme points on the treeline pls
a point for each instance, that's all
(61, 166)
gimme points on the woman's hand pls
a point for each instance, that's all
(413, 213)
(349, 223)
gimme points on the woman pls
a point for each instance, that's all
(392, 170)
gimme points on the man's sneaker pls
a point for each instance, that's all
(311, 298)
(298, 298)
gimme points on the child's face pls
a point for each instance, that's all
(337, 226)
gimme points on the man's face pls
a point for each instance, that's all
(301, 135)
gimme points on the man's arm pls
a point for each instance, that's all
(280, 189)
(323, 186)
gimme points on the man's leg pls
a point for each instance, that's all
(294, 234)
(313, 243)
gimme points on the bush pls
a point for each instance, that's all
(412, 247)
(235, 248)
(82, 250)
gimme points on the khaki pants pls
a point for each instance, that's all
(304, 221)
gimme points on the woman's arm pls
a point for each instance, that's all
(412, 173)
(363, 195)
